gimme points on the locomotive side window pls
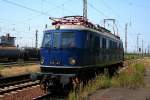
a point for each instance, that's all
(110, 44)
(89, 41)
(115, 45)
(103, 42)
(120, 46)
(47, 40)
(96, 43)
(68, 39)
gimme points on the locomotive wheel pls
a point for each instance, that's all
(43, 84)
(76, 84)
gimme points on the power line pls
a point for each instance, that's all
(57, 6)
(97, 10)
(110, 8)
(22, 6)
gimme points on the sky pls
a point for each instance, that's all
(21, 18)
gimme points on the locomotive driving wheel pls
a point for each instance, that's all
(76, 84)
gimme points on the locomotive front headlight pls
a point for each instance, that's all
(42, 61)
(72, 61)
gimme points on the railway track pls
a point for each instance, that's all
(14, 84)
(19, 86)
(8, 81)
(9, 64)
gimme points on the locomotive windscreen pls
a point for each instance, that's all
(68, 40)
(56, 40)
(47, 40)
(59, 40)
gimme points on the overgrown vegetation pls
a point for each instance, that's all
(132, 77)
(12, 71)
(129, 56)
(1, 67)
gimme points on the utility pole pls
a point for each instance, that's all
(138, 49)
(148, 49)
(137, 44)
(85, 9)
(142, 48)
(126, 28)
(36, 38)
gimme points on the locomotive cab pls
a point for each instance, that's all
(62, 49)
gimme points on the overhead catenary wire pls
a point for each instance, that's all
(97, 10)
(34, 10)
(28, 8)
(110, 8)
(57, 6)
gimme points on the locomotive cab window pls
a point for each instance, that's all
(47, 40)
(68, 39)
(56, 40)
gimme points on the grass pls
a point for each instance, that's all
(12, 71)
(1, 67)
(132, 77)
(131, 56)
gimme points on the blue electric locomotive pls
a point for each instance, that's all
(73, 45)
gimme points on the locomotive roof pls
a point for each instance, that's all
(81, 27)
(80, 23)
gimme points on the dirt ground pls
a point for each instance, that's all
(17, 70)
(126, 93)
